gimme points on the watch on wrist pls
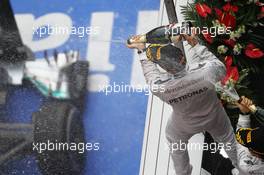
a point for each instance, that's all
(242, 113)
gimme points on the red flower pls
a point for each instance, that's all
(261, 14)
(253, 52)
(228, 20)
(208, 37)
(231, 71)
(218, 12)
(226, 17)
(259, 4)
(231, 74)
(203, 10)
(228, 61)
(230, 42)
(230, 8)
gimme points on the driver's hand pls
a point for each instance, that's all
(176, 39)
(138, 46)
(244, 105)
(192, 40)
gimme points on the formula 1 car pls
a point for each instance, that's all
(62, 80)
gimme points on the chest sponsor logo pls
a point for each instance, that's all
(188, 95)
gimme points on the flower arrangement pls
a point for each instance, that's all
(242, 48)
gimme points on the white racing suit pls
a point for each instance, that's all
(247, 163)
(196, 107)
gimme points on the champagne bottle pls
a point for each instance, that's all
(163, 34)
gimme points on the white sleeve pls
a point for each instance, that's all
(248, 164)
(152, 74)
(150, 69)
(243, 121)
